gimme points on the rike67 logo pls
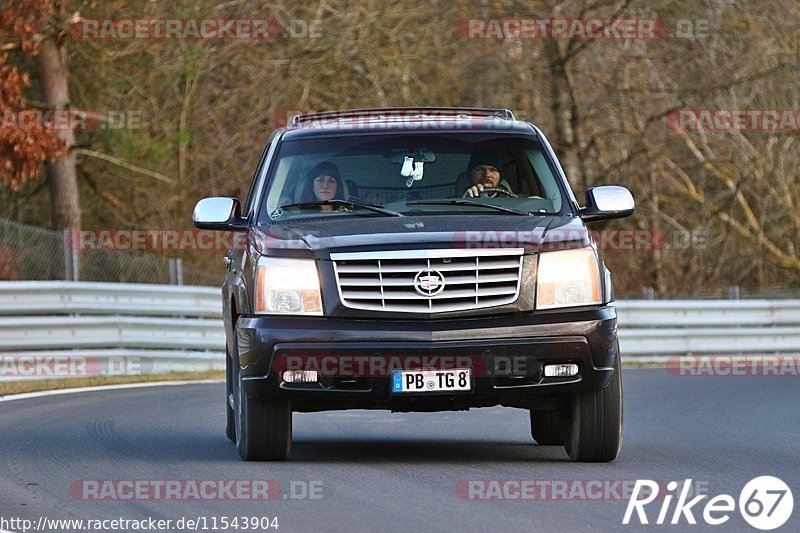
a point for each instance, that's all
(765, 503)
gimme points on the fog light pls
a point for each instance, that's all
(560, 371)
(300, 376)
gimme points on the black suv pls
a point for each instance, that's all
(418, 259)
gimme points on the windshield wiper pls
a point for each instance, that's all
(470, 203)
(346, 203)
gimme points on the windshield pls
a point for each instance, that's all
(411, 174)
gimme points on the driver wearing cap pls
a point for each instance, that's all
(484, 173)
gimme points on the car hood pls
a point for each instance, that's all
(356, 234)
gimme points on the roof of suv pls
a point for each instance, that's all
(406, 119)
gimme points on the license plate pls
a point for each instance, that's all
(431, 380)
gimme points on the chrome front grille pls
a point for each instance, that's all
(406, 280)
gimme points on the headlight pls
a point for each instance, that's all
(567, 278)
(287, 286)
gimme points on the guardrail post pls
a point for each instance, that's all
(733, 292)
(71, 255)
(176, 271)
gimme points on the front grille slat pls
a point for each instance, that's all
(372, 282)
(385, 281)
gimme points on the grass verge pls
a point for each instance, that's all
(642, 364)
(19, 387)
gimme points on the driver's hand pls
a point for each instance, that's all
(474, 191)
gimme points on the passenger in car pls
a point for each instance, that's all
(322, 183)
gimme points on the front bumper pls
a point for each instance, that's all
(355, 358)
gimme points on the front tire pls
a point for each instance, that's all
(593, 421)
(546, 428)
(263, 427)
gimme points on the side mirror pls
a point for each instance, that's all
(219, 214)
(607, 202)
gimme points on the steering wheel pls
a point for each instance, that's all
(491, 190)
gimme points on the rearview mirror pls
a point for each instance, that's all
(219, 214)
(424, 156)
(607, 202)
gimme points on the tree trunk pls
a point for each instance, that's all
(65, 208)
(565, 137)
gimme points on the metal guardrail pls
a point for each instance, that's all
(111, 328)
(704, 313)
(92, 298)
(681, 327)
(65, 329)
(80, 332)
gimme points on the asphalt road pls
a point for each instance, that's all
(397, 472)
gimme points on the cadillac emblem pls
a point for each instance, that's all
(429, 283)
